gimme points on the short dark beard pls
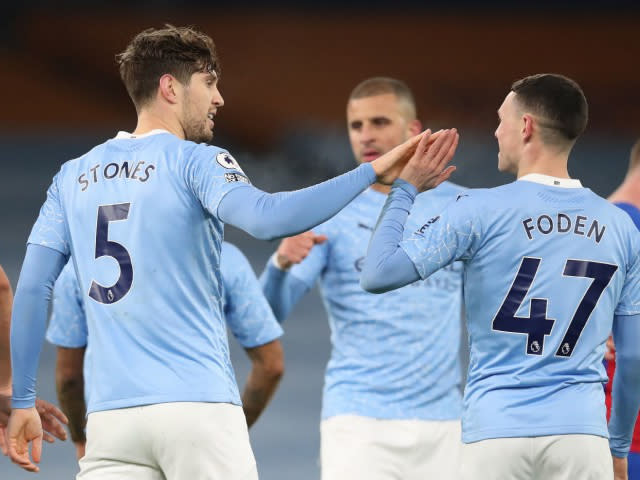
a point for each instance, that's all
(195, 130)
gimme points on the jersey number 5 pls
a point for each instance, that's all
(536, 326)
(109, 248)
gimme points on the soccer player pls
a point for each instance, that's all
(142, 215)
(549, 268)
(52, 418)
(392, 402)
(627, 197)
(246, 312)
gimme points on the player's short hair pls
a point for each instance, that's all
(179, 51)
(634, 158)
(559, 103)
(382, 85)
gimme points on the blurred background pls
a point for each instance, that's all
(288, 68)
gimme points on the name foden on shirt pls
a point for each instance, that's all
(563, 223)
(113, 170)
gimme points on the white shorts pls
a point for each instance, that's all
(363, 448)
(555, 457)
(172, 441)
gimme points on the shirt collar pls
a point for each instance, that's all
(156, 131)
(553, 181)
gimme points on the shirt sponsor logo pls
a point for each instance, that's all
(428, 224)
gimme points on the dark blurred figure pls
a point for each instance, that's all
(627, 197)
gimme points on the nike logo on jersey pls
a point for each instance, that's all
(366, 227)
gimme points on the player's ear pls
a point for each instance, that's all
(527, 127)
(415, 127)
(168, 88)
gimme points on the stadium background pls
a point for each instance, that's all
(287, 71)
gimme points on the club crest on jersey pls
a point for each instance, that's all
(225, 160)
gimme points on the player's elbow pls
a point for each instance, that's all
(267, 230)
(270, 361)
(372, 281)
(5, 286)
(629, 362)
(274, 369)
(69, 380)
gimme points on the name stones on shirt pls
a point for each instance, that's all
(563, 223)
(140, 171)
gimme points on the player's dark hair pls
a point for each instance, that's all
(559, 103)
(381, 85)
(179, 51)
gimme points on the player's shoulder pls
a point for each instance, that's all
(202, 152)
(449, 188)
(72, 165)
(442, 195)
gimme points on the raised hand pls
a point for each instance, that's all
(24, 428)
(428, 168)
(389, 165)
(294, 249)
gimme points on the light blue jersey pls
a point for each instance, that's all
(140, 262)
(394, 356)
(546, 263)
(246, 311)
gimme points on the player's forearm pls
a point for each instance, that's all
(260, 387)
(71, 397)
(6, 299)
(40, 269)
(268, 216)
(625, 395)
(387, 266)
(267, 368)
(281, 289)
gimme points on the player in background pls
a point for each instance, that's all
(392, 401)
(549, 269)
(246, 313)
(627, 197)
(142, 215)
(52, 418)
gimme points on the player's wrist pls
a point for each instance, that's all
(281, 262)
(408, 187)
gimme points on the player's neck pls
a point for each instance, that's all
(149, 120)
(629, 191)
(545, 163)
(378, 187)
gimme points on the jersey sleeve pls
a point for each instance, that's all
(452, 235)
(68, 324)
(50, 229)
(629, 303)
(211, 173)
(247, 312)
